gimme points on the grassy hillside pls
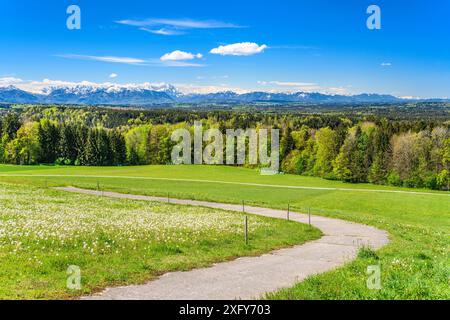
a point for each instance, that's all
(414, 265)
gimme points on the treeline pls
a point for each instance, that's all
(411, 153)
(50, 142)
(369, 152)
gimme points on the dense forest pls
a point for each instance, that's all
(349, 146)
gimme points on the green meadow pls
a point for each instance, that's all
(415, 265)
(116, 242)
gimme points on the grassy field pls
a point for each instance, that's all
(113, 242)
(415, 265)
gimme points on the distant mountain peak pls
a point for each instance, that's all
(163, 93)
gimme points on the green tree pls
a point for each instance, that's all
(98, 149)
(446, 154)
(118, 147)
(350, 165)
(287, 143)
(4, 139)
(48, 136)
(443, 180)
(68, 144)
(379, 168)
(11, 124)
(81, 137)
(137, 145)
(326, 147)
(25, 148)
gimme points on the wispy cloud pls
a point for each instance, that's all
(386, 64)
(239, 49)
(172, 27)
(163, 31)
(113, 75)
(180, 23)
(131, 61)
(112, 59)
(290, 86)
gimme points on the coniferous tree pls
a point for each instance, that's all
(91, 152)
(81, 137)
(379, 168)
(11, 124)
(118, 147)
(286, 143)
(68, 144)
(48, 136)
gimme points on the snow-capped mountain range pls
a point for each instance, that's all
(151, 94)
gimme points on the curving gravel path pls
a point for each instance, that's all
(251, 277)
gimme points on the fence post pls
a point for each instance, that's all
(246, 230)
(168, 197)
(288, 212)
(309, 217)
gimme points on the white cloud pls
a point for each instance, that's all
(386, 64)
(113, 75)
(239, 49)
(180, 23)
(126, 60)
(178, 55)
(8, 81)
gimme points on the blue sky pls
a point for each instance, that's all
(292, 45)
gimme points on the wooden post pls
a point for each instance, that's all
(309, 216)
(288, 212)
(246, 230)
(98, 186)
(243, 206)
(168, 197)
